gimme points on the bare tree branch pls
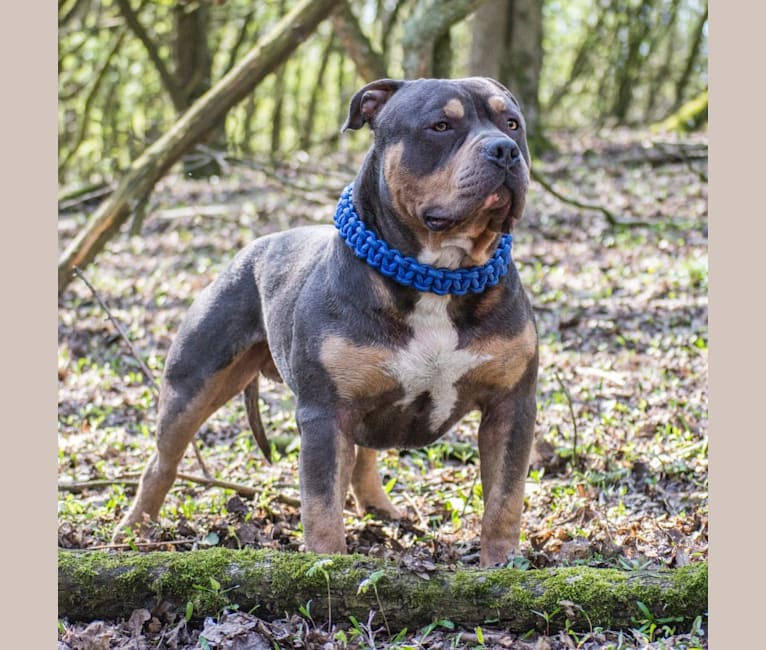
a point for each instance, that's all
(368, 61)
(85, 117)
(610, 217)
(263, 59)
(168, 80)
(430, 20)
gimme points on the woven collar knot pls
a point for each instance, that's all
(407, 270)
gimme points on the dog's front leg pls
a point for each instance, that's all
(506, 434)
(326, 461)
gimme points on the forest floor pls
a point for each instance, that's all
(620, 477)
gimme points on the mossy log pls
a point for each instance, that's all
(691, 116)
(97, 585)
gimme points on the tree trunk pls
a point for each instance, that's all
(307, 130)
(108, 585)
(489, 38)
(278, 93)
(193, 68)
(691, 59)
(430, 21)
(169, 81)
(442, 56)
(582, 63)
(507, 44)
(142, 175)
(665, 36)
(368, 61)
(629, 68)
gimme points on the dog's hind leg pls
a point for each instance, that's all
(183, 408)
(367, 487)
(220, 348)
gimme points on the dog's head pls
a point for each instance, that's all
(453, 161)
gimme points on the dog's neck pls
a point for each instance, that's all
(409, 271)
(373, 205)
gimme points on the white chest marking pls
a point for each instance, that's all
(432, 362)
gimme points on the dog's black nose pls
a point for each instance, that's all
(504, 152)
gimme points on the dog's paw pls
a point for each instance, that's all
(498, 555)
(387, 513)
(131, 530)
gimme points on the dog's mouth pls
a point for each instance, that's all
(499, 201)
(437, 221)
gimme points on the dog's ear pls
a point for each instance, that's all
(366, 103)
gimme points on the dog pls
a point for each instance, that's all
(388, 327)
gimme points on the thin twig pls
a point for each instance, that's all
(104, 547)
(67, 203)
(147, 373)
(81, 486)
(283, 180)
(470, 494)
(610, 217)
(421, 519)
(575, 458)
(242, 490)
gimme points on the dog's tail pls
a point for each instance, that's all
(254, 417)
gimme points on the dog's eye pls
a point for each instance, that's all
(513, 124)
(440, 126)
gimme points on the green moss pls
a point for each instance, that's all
(104, 585)
(424, 597)
(690, 587)
(689, 117)
(499, 588)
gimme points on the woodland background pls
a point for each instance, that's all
(612, 250)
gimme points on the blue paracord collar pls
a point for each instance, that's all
(407, 270)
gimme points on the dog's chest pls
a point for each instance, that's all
(431, 362)
(413, 386)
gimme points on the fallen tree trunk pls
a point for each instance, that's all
(203, 115)
(691, 116)
(107, 585)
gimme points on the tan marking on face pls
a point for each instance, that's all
(483, 240)
(468, 244)
(454, 109)
(508, 358)
(410, 193)
(358, 371)
(497, 103)
(472, 246)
